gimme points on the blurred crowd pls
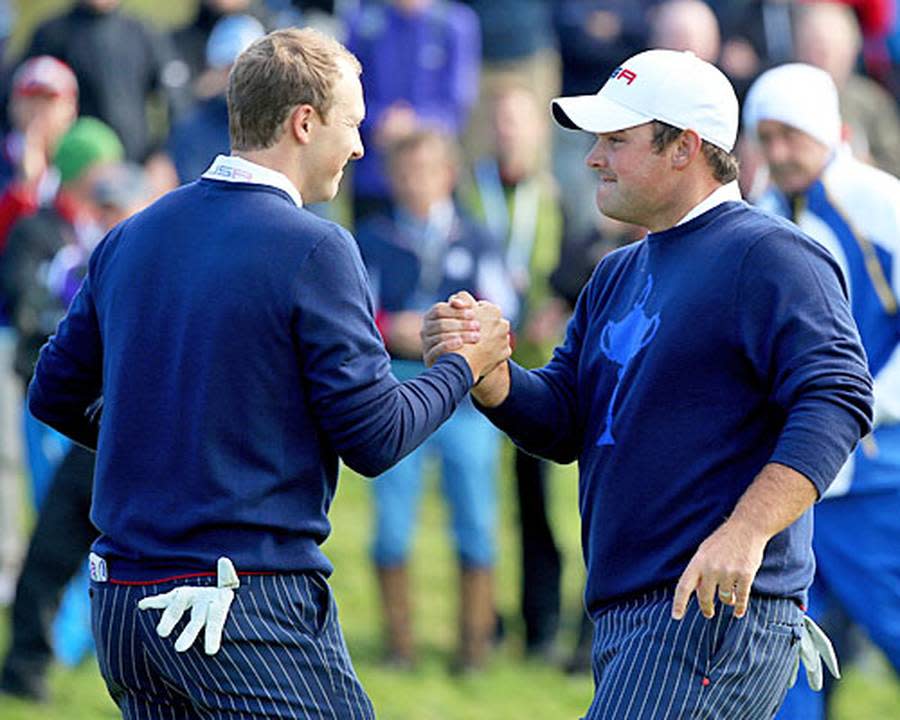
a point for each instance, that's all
(464, 183)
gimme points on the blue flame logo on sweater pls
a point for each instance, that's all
(621, 342)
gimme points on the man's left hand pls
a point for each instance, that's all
(724, 565)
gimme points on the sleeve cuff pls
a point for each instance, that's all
(816, 442)
(459, 362)
(506, 414)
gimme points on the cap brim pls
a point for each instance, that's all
(39, 91)
(594, 114)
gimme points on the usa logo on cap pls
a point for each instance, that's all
(623, 74)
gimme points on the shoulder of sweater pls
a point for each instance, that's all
(778, 245)
(271, 206)
(746, 225)
(764, 227)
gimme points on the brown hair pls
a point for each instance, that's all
(423, 136)
(278, 72)
(723, 164)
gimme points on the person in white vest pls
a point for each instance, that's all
(852, 209)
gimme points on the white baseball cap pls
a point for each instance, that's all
(675, 87)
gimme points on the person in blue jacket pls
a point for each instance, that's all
(711, 384)
(853, 210)
(222, 357)
(422, 251)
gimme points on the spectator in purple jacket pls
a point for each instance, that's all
(422, 62)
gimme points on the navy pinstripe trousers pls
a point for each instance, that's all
(283, 655)
(648, 666)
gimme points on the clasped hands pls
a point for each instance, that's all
(474, 329)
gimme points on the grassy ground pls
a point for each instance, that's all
(510, 688)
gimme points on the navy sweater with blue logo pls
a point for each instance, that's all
(695, 357)
(231, 337)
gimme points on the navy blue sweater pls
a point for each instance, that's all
(694, 358)
(231, 337)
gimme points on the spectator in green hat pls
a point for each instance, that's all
(31, 281)
(89, 143)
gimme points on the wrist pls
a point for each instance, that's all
(493, 388)
(748, 529)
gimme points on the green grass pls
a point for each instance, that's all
(509, 688)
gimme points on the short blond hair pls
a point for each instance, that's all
(278, 72)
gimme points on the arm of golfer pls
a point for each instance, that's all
(727, 561)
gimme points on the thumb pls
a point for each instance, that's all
(462, 299)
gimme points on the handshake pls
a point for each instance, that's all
(474, 329)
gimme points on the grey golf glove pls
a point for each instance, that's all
(209, 607)
(814, 648)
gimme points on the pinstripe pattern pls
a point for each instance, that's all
(650, 667)
(283, 655)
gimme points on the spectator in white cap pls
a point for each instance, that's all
(202, 134)
(799, 104)
(853, 210)
(42, 107)
(707, 398)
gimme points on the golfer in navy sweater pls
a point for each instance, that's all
(710, 385)
(230, 335)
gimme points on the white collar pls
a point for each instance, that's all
(724, 193)
(231, 168)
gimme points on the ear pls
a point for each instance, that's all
(685, 149)
(301, 122)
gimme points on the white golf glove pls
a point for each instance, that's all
(815, 647)
(209, 607)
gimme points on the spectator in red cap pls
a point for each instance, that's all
(42, 106)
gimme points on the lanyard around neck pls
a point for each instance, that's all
(518, 233)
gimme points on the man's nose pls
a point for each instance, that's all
(358, 149)
(595, 158)
(776, 151)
